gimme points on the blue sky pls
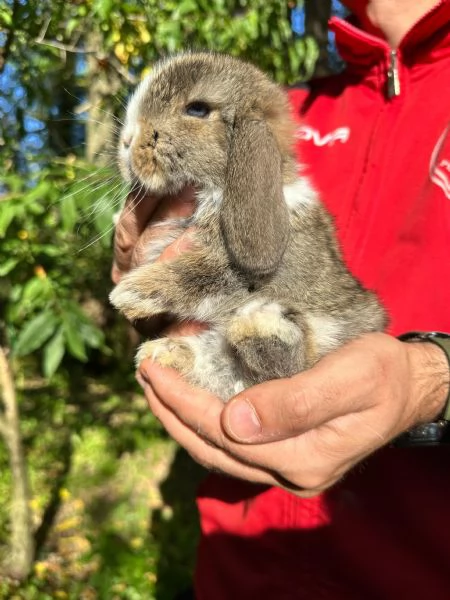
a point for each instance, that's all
(13, 95)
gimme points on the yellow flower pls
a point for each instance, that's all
(70, 523)
(22, 234)
(136, 543)
(144, 34)
(61, 594)
(64, 494)
(40, 568)
(34, 504)
(121, 52)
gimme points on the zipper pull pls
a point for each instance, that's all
(393, 78)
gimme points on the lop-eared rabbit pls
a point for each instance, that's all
(264, 271)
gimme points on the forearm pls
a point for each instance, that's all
(430, 377)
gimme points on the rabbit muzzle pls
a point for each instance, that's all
(147, 163)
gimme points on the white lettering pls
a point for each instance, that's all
(309, 134)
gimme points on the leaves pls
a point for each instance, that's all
(56, 215)
(8, 266)
(55, 209)
(34, 292)
(53, 353)
(7, 213)
(35, 333)
(73, 337)
(69, 212)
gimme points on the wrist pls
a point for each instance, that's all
(430, 376)
(429, 366)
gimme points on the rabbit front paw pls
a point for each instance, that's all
(167, 352)
(136, 299)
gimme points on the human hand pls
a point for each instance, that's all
(304, 433)
(140, 222)
(136, 227)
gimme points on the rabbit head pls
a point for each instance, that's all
(217, 123)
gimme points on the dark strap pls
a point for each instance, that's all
(429, 434)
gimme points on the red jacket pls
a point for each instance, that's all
(383, 167)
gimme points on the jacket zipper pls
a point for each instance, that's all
(393, 77)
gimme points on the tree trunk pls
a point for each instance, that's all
(21, 546)
(104, 83)
(317, 14)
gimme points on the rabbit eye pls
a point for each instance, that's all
(198, 109)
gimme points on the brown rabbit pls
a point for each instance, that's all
(265, 271)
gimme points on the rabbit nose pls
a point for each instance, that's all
(149, 139)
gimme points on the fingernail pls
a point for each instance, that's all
(243, 422)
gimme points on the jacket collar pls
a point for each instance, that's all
(425, 42)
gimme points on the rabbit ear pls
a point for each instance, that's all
(254, 217)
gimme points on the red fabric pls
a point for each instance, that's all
(383, 169)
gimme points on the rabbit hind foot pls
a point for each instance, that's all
(261, 319)
(204, 359)
(267, 343)
(167, 352)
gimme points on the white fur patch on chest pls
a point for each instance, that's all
(208, 205)
(300, 194)
(327, 331)
(207, 308)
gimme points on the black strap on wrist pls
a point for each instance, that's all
(438, 432)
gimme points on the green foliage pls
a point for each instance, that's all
(50, 277)
(92, 446)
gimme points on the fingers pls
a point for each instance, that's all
(201, 450)
(197, 408)
(319, 423)
(135, 229)
(283, 408)
(180, 245)
(193, 418)
(133, 220)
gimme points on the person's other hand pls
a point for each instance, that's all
(304, 433)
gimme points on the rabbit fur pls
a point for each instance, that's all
(264, 271)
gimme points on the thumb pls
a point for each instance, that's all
(282, 408)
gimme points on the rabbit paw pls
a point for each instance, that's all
(167, 352)
(136, 301)
(261, 319)
(267, 343)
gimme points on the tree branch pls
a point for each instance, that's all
(7, 387)
(122, 71)
(3, 428)
(72, 48)
(64, 47)
(21, 551)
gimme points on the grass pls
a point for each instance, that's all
(112, 502)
